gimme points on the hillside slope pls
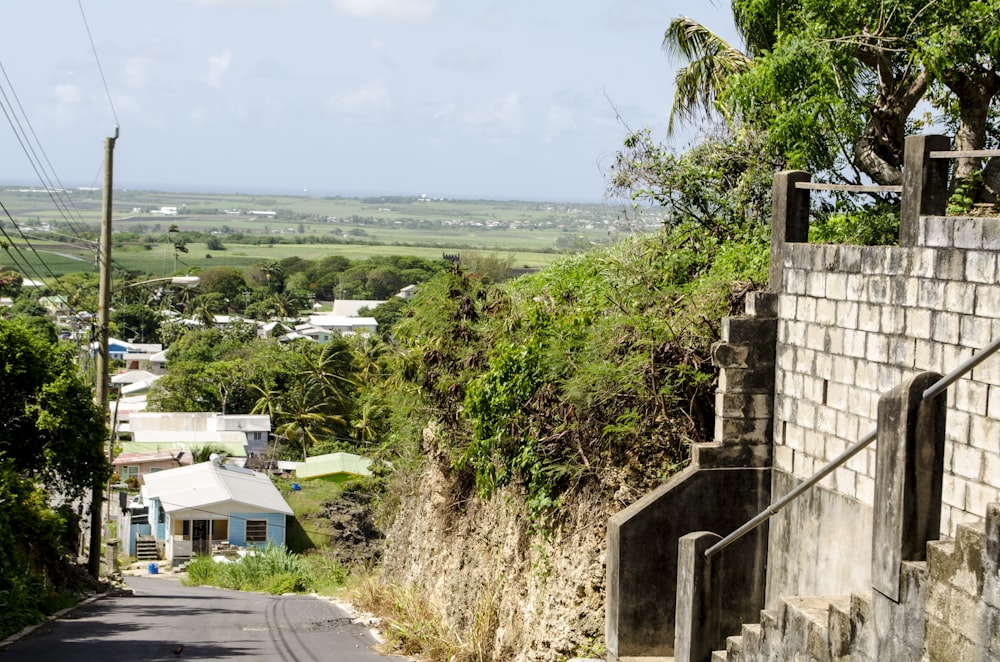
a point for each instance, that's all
(525, 414)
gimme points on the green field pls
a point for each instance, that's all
(48, 233)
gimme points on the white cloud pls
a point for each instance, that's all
(68, 94)
(393, 10)
(126, 103)
(373, 97)
(446, 112)
(505, 113)
(136, 72)
(559, 120)
(217, 66)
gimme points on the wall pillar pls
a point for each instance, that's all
(909, 475)
(699, 605)
(925, 184)
(744, 401)
(789, 220)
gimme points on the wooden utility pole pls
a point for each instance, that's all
(103, 321)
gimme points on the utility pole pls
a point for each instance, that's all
(103, 321)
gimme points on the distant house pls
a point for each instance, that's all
(344, 325)
(272, 329)
(139, 352)
(238, 435)
(351, 307)
(158, 363)
(139, 465)
(56, 304)
(193, 508)
(407, 292)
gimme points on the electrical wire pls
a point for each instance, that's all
(62, 201)
(37, 254)
(100, 69)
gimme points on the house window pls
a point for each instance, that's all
(256, 530)
(127, 472)
(153, 470)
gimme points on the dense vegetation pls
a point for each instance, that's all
(51, 447)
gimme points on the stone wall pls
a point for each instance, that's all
(854, 322)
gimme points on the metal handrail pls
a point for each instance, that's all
(933, 390)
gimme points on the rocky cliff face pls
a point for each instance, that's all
(518, 593)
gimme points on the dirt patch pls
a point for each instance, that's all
(354, 537)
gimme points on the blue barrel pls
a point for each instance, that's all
(153, 568)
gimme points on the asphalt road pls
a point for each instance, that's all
(164, 620)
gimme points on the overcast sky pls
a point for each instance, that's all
(514, 99)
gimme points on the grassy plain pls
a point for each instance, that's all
(533, 234)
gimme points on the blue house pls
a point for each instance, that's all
(193, 508)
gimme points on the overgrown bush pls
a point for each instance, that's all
(36, 577)
(599, 361)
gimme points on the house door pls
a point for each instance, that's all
(199, 536)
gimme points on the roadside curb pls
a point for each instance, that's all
(113, 590)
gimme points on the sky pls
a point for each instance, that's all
(507, 100)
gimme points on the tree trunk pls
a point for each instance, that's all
(879, 151)
(974, 91)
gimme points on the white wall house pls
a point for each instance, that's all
(240, 435)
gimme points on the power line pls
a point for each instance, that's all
(29, 150)
(100, 69)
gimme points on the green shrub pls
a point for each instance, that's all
(273, 569)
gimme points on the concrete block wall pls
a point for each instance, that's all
(854, 322)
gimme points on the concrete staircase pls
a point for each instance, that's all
(817, 629)
(943, 613)
(145, 549)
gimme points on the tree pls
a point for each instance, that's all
(388, 313)
(138, 321)
(711, 62)
(833, 85)
(50, 427)
(228, 282)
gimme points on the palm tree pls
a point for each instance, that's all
(711, 61)
(331, 370)
(308, 417)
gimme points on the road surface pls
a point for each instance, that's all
(165, 620)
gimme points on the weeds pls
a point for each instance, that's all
(411, 625)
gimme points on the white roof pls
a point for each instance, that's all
(134, 377)
(210, 484)
(350, 307)
(338, 321)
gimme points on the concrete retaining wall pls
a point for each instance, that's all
(854, 322)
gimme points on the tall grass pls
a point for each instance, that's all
(413, 626)
(273, 569)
